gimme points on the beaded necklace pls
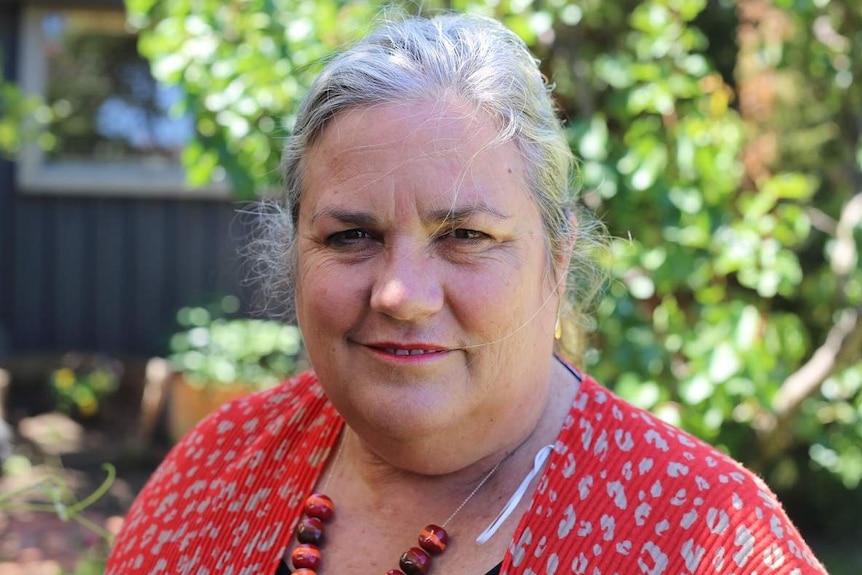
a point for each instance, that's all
(319, 509)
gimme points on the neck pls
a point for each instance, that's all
(380, 506)
(381, 481)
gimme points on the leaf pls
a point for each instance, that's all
(747, 328)
(724, 362)
(594, 142)
(790, 186)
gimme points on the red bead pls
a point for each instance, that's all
(309, 530)
(415, 561)
(305, 557)
(320, 506)
(304, 572)
(433, 539)
(394, 572)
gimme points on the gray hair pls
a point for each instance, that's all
(479, 61)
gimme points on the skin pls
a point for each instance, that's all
(416, 232)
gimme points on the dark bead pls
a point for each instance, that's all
(415, 561)
(306, 557)
(320, 506)
(433, 539)
(310, 530)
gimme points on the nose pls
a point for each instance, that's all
(406, 286)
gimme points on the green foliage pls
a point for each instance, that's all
(219, 351)
(90, 563)
(82, 383)
(834, 417)
(22, 119)
(52, 494)
(735, 250)
(243, 66)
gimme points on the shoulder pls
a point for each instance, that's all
(624, 485)
(614, 432)
(243, 463)
(298, 400)
(247, 425)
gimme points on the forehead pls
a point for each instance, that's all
(412, 131)
(441, 145)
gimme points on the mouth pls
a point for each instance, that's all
(411, 350)
(404, 351)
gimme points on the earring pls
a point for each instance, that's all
(558, 329)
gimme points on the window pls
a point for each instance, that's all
(114, 128)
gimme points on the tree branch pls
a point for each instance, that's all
(843, 341)
(840, 348)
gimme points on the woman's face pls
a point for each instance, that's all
(425, 291)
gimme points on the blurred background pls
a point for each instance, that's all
(719, 140)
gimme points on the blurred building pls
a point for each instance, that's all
(101, 240)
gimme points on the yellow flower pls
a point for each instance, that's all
(88, 407)
(64, 378)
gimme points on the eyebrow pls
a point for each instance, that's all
(346, 216)
(459, 214)
(443, 216)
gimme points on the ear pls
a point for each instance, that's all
(563, 257)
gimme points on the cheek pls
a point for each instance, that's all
(327, 301)
(519, 281)
(498, 305)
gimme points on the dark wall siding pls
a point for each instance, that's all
(8, 41)
(107, 331)
(108, 275)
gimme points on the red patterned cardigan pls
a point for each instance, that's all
(622, 493)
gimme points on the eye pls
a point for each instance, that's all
(348, 237)
(467, 234)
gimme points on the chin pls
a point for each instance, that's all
(405, 415)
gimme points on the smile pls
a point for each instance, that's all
(401, 351)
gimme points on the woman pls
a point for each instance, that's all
(428, 235)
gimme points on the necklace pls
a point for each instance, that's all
(319, 510)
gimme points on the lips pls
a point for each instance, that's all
(414, 350)
(402, 351)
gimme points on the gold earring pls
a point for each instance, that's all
(558, 329)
